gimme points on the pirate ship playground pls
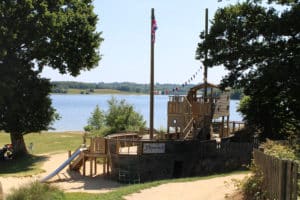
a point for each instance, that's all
(200, 139)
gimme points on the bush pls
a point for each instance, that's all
(96, 121)
(36, 191)
(120, 117)
(279, 150)
(252, 187)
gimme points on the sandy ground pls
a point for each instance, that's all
(216, 188)
(66, 180)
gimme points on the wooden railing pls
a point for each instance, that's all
(179, 114)
(236, 126)
(128, 147)
(280, 177)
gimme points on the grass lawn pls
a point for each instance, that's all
(119, 193)
(43, 143)
(48, 142)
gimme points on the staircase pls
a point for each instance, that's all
(77, 163)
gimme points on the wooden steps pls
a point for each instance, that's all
(77, 163)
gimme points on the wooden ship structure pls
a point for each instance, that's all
(198, 117)
(198, 140)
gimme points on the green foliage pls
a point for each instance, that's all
(64, 38)
(280, 150)
(56, 141)
(96, 121)
(119, 117)
(23, 166)
(36, 191)
(252, 187)
(259, 46)
(29, 165)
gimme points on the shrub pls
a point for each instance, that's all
(279, 150)
(252, 187)
(36, 191)
(120, 117)
(96, 121)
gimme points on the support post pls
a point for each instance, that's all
(152, 75)
(233, 127)
(227, 126)
(107, 165)
(83, 163)
(104, 165)
(222, 127)
(69, 155)
(205, 67)
(91, 166)
(95, 166)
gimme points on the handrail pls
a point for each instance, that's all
(186, 100)
(188, 128)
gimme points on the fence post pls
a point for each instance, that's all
(289, 178)
(282, 179)
(295, 177)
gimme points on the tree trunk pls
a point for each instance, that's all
(18, 143)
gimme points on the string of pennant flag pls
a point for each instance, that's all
(187, 82)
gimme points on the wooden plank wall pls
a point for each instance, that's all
(222, 106)
(98, 145)
(280, 176)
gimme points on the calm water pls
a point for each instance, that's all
(76, 109)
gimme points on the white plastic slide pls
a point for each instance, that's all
(62, 166)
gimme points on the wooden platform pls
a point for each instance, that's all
(97, 149)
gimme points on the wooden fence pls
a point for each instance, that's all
(280, 176)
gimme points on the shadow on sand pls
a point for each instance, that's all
(21, 164)
(80, 182)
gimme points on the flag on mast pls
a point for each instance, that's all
(153, 28)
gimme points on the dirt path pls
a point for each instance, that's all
(68, 181)
(215, 189)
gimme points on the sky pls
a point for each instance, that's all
(125, 27)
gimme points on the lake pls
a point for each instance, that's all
(75, 110)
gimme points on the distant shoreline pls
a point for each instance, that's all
(127, 88)
(95, 91)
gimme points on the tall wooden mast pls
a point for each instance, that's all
(205, 67)
(152, 73)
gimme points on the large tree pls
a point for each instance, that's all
(34, 34)
(259, 44)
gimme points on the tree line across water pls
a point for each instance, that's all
(65, 87)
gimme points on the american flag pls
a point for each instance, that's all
(153, 29)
